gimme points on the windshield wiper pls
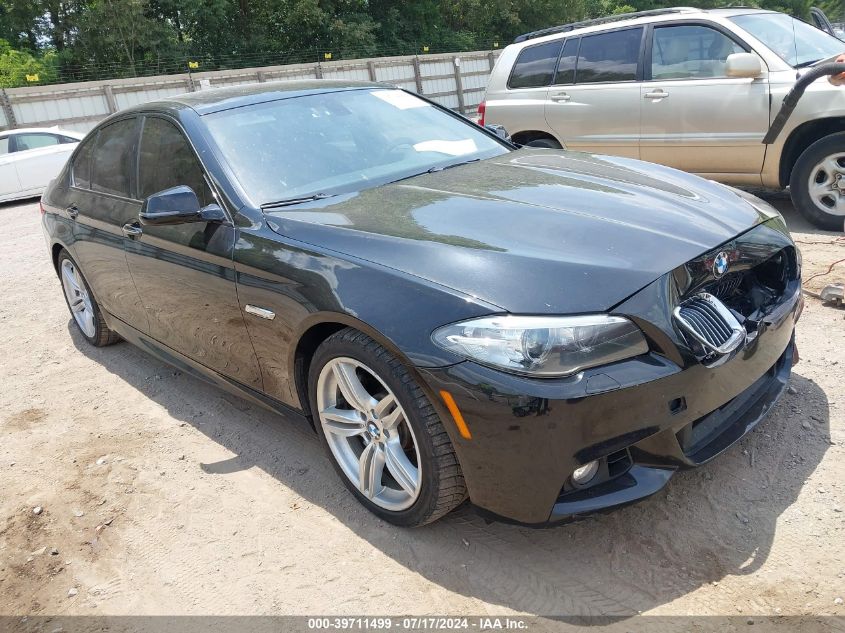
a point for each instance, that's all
(809, 63)
(433, 170)
(465, 162)
(291, 201)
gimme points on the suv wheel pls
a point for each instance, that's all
(548, 143)
(817, 184)
(82, 305)
(381, 432)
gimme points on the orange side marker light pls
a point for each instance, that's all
(463, 429)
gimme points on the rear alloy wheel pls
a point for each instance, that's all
(817, 184)
(383, 435)
(83, 307)
(543, 141)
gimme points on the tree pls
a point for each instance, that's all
(91, 39)
(19, 23)
(122, 34)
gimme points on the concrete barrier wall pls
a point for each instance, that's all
(455, 80)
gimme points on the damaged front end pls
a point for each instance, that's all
(729, 296)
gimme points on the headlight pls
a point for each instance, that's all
(543, 346)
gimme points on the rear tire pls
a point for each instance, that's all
(83, 306)
(417, 476)
(546, 142)
(817, 183)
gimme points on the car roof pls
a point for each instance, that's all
(218, 99)
(636, 18)
(49, 130)
(732, 11)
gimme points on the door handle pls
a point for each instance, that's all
(72, 211)
(132, 230)
(657, 94)
(561, 96)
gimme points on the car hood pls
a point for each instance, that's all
(533, 231)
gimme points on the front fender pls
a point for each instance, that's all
(305, 287)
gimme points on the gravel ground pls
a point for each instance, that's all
(161, 495)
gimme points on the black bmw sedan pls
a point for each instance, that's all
(544, 333)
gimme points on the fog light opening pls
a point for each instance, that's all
(585, 473)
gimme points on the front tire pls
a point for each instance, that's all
(381, 432)
(82, 305)
(817, 183)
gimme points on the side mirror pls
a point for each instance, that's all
(743, 65)
(498, 130)
(178, 205)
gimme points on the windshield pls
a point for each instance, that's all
(342, 141)
(796, 42)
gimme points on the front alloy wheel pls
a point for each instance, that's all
(384, 437)
(368, 434)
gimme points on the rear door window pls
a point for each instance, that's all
(113, 158)
(609, 57)
(27, 141)
(535, 66)
(4, 145)
(566, 66)
(167, 160)
(80, 170)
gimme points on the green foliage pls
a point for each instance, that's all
(72, 40)
(15, 65)
(18, 23)
(133, 35)
(600, 8)
(834, 9)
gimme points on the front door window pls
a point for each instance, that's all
(690, 52)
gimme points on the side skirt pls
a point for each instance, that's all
(738, 179)
(197, 370)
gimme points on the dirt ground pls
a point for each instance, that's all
(161, 495)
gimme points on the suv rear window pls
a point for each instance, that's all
(607, 57)
(535, 66)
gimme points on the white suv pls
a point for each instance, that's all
(691, 89)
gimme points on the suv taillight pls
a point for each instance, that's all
(481, 108)
(41, 207)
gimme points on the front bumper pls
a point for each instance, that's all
(644, 418)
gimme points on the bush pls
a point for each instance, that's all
(15, 65)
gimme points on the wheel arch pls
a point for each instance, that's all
(317, 328)
(526, 136)
(801, 138)
(55, 249)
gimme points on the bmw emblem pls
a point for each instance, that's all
(720, 264)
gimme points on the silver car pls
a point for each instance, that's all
(687, 88)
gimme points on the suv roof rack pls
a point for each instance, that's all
(563, 28)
